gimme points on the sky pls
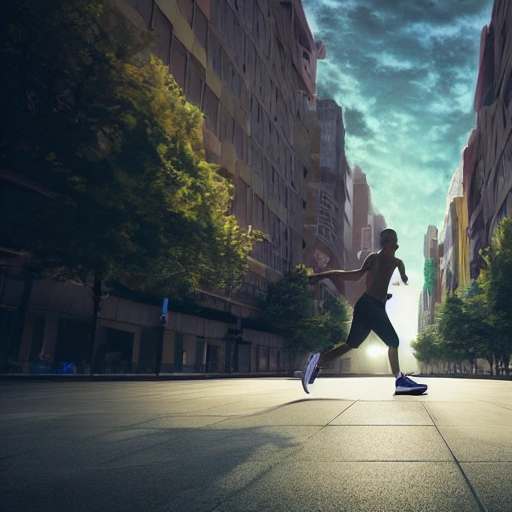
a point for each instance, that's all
(404, 73)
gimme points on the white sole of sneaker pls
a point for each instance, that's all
(308, 370)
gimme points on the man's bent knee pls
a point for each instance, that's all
(393, 343)
(354, 343)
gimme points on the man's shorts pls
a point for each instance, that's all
(370, 315)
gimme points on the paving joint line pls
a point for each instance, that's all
(475, 494)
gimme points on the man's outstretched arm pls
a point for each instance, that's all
(339, 276)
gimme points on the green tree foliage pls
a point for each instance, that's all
(462, 330)
(430, 272)
(230, 254)
(289, 309)
(497, 283)
(477, 323)
(426, 346)
(93, 117)
(104, 126)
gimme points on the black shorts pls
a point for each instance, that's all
(370, 315)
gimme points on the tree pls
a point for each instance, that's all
(96, 119)
(479, 332)
(463, 327)
(498, 276)
(230, 255)
(289, 309)
(426, 346)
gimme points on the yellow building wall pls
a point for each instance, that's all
(463, 222)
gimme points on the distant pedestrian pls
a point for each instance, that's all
(369, 313)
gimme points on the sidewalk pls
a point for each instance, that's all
(256, 445)
(81, 377)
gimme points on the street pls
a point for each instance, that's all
(256, 445)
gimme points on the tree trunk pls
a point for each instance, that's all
(97, 293)
(506, 363)
(490, 366)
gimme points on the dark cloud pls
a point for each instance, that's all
(356, 125)
(404, 72)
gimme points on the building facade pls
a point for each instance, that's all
(328, 213)
(488, 157)
(251, 68)
(428, 294)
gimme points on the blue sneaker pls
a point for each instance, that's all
(406, 386)
(309, 370)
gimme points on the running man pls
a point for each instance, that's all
(369, 313)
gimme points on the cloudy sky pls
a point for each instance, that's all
(404, 72)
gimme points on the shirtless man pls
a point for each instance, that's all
(369, 313)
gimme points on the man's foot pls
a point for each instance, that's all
(309, 370)
(406, 386)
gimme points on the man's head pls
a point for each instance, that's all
(388, 237)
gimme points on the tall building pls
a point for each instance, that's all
(454, 263)
(427, 295)
(328, 214)
(488, 157)
(251, 68)
(367, 225)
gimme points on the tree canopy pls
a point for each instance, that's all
(476, 323)
(289, 308)
(94, 117)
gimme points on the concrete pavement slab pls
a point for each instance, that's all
(300, 412)
(299, 486)
(492, 482)
(384, 413)
(486, 443)
(376, 443)
(260, 444)
(479, 414)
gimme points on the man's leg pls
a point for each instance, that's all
(333, 354)
(385, 330)
(393, 360)
(359, 331)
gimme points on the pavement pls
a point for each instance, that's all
(255, 445)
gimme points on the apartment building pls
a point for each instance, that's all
(251, 68)
(428, 294)
(329, 210)
(488, 157)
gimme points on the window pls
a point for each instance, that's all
(241, 199)
(179, 56)
(215, 55)
(258, 215)
(239, 46)
(217, 14)
(163, 29)
(229, 128)
(187, 9)
(195, 81)
(229, 27)
(144, 8)
(327, 225)
(240, 142)
(211, 110)
(200, 26)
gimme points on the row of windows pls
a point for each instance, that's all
(190, 75)
(248, 59)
